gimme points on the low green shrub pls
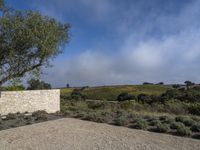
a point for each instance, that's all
(77, 95)
(68, 113)
(184, 131)
(167, 119)
(80, 114)
(176, 125)
(144, 98)
(96, 104)
(27, 118)
(180, 118)
(194, 109)
(11, 116)
(125, 96)
(176, 107)
(96, 117)
(126, 105)
(196, 127)
(121, 121)
(189, 122)
(141, 124)
(40, 115)
(154, 122)
(121, 113)
(162, 128)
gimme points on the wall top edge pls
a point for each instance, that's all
(30, 91)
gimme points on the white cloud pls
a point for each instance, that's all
(172, 56)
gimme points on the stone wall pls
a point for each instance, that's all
(30, 101)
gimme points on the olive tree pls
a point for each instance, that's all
(28, 41)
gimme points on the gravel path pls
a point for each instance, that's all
(73, 134)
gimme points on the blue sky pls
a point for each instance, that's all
(124, 41)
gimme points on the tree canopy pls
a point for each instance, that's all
(35, 84)
(28, 41)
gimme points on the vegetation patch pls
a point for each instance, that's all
(184, 131)
(121, 121)
(140, 124)
(133, 114)
(21, 119)
(162, 128)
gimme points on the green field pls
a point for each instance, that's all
(111, 92)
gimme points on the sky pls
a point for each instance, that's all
(123, 41)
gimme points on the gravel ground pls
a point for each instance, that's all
(74, 134)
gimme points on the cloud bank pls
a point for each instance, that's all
(144, 41)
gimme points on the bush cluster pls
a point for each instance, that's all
(40, 115)
(128, 113)
(121, 121)
(175, 100)
(162, 128)
(125, 96)
(184, 131)
(12, 120)
(141, 124)
(77, 95)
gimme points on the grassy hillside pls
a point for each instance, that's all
(66, 91)
(175, 112)
(111, 92)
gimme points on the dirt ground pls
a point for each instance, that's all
(74, 134)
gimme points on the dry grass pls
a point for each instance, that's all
(111, 92)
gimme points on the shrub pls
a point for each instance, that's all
(176, 86)
(77, 95)
(65, 97)
(176, 125)
(196, 127)
(80, 114)
(144, 98)
(184, 131)
(154, 99)
(68, 113)
(180, 118)
(141, 124)
(125, 96)
(121, 113)
(173, 94)
(11, 116)
(154, 122)
(189, 122)
(176, 107)
(186, 120)
(96, 117)
(121, 121)
(163, 128)
(127, 105)
(28, 118)
(166, 119)
(40, 115)
(96, 104)
(194, 109)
